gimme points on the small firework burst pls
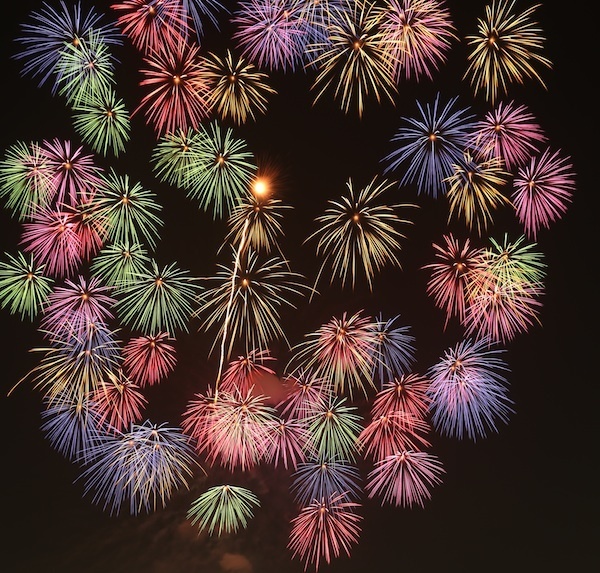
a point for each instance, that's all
(149, 359)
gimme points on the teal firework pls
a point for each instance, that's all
(223, 509)
(130, 211)
(158, 299)
(102, 121)
(24, 288)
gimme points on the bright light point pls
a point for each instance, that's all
(260, 187)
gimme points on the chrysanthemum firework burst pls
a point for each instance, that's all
(244, 373)
(356, 61)
(449, 280)
(305, 392)
(149, 359)
(428, 146)
(238, 91)
(289, 439)
(359, 234)
(223, 509)
(24, 288)
(510, 132)
(543, 190)
(176, 90)
(120, 263)
(324, 529)
(270, 33)
(158, 299)
(506, 49)
(341, 352)
(420, 34)
(26, 179)
(245, 305)
(50, 30)
(139, 469)
(468, 390)
(406, 394)
(474, 191)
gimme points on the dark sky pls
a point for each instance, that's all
(522, 500)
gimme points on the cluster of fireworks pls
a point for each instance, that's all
(85, 272)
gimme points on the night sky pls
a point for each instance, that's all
(524, 499)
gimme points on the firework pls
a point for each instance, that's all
(51, 238)
(468, 390)
(323, 477)
(430, 145)
(510, 132)
(75, 363)
(152, 24)
(256, 222)
(289, 443)
(542, 190)
(324, 529)
(245, 372)
(102, 121)
(176, 91)
(199, 11)
(129, 212)
(119, 402)
(50, 31)
(238, 91)
(341, 352)
(158, 299)
(72, 427)
(238, 430)
(91, 230)
(406, 394)
(334, 429)
(269, 33)
(405, 478)
(245, 304)
(474, 191)
(419, 33)
(305, 392)
(355, 61)
(85, 69)
(174, 156)
(358, 231)
(24, 288)
(75, 174)
(119, 264)
(506, 50)
(149, 359)
(450, 275)
(221, 171)
(394, 352)
(26, 180)
(76, 303)
(140, 468)
(223, 508)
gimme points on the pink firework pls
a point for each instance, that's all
(325, 529)
(543, 190)
(419, 33)
(237, 432)
(405, 478)
(177, 97)
(406, 394)
(75, 304)
(305, 392)
(74, 174)
(455, 262)
(246, 372)
(395, 432)
(149, 359)
(89, 225)
(197, 418)
(119, 402)
(289, 442)
(151, 24)
(270, 33)
(52, 238)
(510, 132)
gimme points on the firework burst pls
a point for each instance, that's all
(406, 394)
(119, 264)
(149, 359)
